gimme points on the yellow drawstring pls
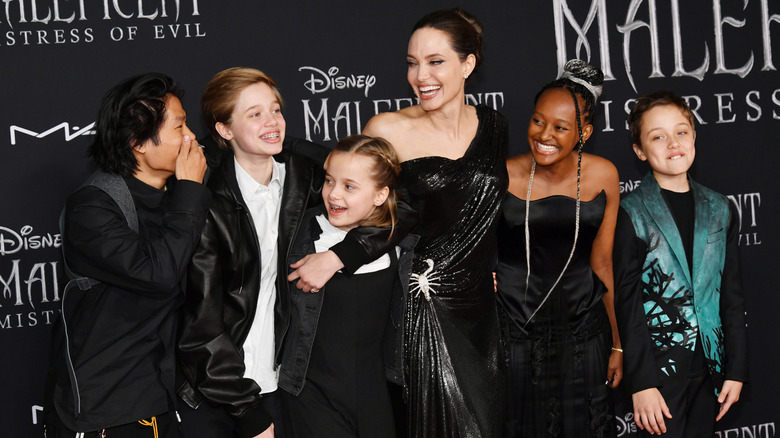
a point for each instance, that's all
(152, 423)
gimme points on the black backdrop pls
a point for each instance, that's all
(337, 64)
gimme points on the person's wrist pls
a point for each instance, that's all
(335, 260)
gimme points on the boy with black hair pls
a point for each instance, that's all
(128, 235)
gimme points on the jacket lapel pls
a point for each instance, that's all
(295, 193)
(232, 191)
(659, 211)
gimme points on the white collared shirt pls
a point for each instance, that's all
(264, 203)
(332, 235)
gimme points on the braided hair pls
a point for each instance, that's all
(385, 171)
(581, 79)
(585, 81)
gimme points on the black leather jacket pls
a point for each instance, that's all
(223, 286)
(306, 309)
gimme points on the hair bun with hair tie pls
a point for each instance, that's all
(580, 72)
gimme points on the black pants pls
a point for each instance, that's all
(693, 410)
(209, 421)
(165, 424)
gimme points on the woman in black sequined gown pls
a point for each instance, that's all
(453, 170)
(557, 321)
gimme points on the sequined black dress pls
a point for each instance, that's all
(451, 336)
(558, 360)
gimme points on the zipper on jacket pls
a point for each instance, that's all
(245, 212)
(242, 211)
(238, 201)
(71, 369)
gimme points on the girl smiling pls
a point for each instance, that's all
(332, 364)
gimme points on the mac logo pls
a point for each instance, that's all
(69, 132)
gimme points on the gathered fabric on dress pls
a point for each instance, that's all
(451, 335)
(558, 358)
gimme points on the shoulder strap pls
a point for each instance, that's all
(116, 187)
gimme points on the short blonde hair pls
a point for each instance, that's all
(222, 91)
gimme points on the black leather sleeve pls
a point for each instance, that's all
(208, 356)
(313, 151)
(365, 244)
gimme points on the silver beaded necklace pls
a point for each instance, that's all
(576, 217)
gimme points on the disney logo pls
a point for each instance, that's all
(625, 425)
(320, 81)
(12, 241)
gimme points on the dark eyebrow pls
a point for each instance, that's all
(433, 55)
(563, 121)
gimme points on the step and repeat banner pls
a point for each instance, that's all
(337, 64)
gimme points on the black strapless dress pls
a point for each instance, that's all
(558, 360)
(451, 335)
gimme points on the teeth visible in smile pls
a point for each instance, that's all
(336, 207)
(546, 148)
(272, 136)
(675, 157)
(429, 89)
